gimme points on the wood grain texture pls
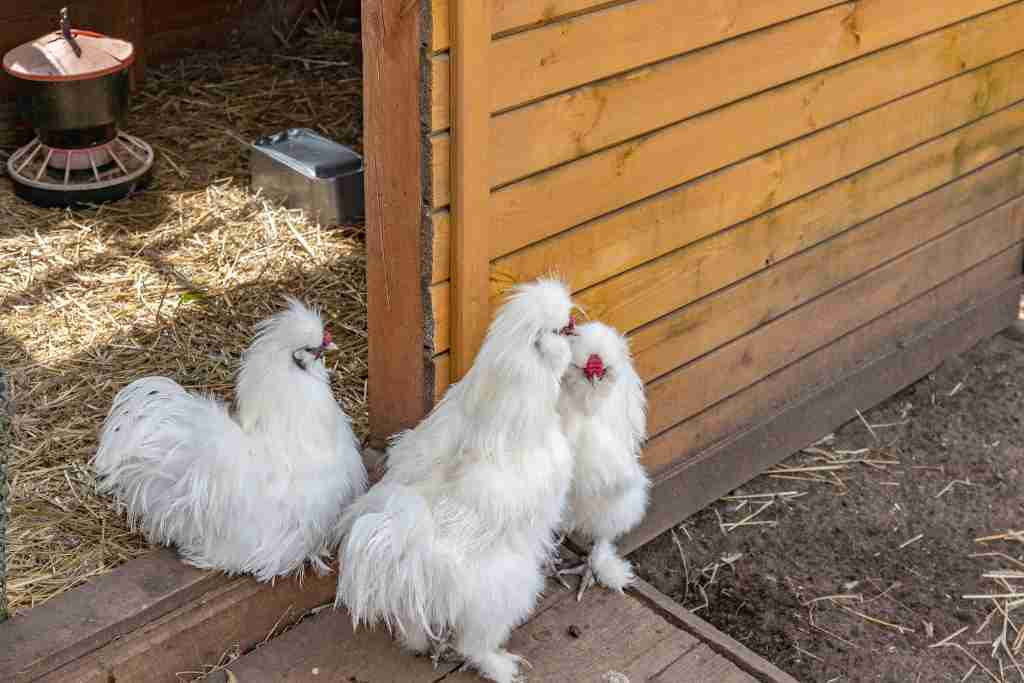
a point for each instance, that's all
(631, 634)
(617, 633)
(93, 615)
(553, 201)
(398, 393)
(767, 181)
(561, 55)
(470, 291)
(693, 330)
(326, 643)
(583, 121)
(626, 239)
(508, 16)
(711, 637)
(884, 365)
(240, 613)
(743, 251)
(772, 346)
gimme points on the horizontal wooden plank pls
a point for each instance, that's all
(626, 239)
(327, 645)
(772, 393)
(691, 331)
(240, 614)
(881, 365)
(508, 16)
(711, 637)
(623, 240)
(562, 55)
(654, 352)
(616, 633)
(98, 612)
(716, 376)
(575, 124)
(550, 202)
(700, 665)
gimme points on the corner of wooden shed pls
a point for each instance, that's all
(794, 209)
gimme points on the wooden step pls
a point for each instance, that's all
(638, 636)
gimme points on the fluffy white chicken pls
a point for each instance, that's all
(451, 542)
(603, 411)
(258, 494)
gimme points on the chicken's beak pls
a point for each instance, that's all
(329, 347)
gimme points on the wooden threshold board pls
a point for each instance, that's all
(641, 634)
(149, 619)
(698, 480)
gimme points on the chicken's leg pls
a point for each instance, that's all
(603, 565)
(554, 561)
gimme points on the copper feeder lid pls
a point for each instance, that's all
(69, 55)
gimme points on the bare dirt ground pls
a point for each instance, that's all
(862, 565)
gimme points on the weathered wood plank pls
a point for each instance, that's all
(771, 347)
(710, 637)
(886, 365)
(555, 200)
(689, 332)
(571, 125)
(561, 55)
(94, 614)
(631, 635)
(470, 156)
(701, 665)
(325, 648)
(617, 633)
(398, 395)
(645, 232)
(241, 613)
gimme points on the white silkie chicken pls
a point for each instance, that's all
(259, 495)
(452, 541)
(603, 411)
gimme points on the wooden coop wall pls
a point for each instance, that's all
(769, 196)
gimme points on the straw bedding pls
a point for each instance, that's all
(168, 282)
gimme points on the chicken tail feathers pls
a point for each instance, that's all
(393, 567)
(152, 440)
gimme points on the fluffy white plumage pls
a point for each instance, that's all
(452, 540)
(260, 494)
(603, 411)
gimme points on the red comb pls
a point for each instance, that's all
(327, 338)
(594, 367)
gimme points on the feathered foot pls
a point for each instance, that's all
(586, 574)
(603, 565)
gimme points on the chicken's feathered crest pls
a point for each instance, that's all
(512, 386)
(625, 404)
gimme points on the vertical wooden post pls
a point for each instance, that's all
(392, 81)
(471, 114)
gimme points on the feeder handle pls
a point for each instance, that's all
(65, 30)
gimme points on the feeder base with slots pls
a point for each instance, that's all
(56, 177)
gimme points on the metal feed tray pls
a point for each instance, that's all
(307, 171)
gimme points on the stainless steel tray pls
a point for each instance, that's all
(306, 170)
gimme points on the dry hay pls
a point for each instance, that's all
(168, 282)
